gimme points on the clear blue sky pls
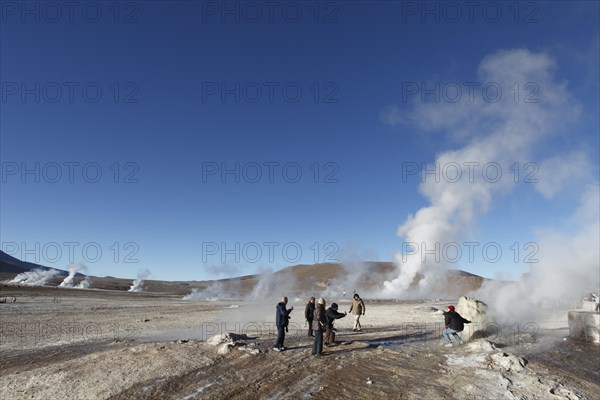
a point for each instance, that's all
(167, 116)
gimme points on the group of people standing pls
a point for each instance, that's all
(320, 321)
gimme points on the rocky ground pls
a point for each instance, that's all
(76, 344)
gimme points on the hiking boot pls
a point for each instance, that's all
(448, 345)
(276, 349)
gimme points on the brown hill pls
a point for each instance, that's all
(297, 280)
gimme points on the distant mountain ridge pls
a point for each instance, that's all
(12, 265)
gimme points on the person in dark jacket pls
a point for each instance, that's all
(332, 314)
(309, 311)
(319, 323)
(454, 324)
(282, 316)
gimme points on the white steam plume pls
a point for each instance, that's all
(138, 283)
(216, 291)
(36, 277)
(501, 132)
(355, 276)
(273, 285)
(567, 268)
(269, 286)
(73, 269)
(84, 284)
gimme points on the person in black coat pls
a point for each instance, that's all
(331, 314)
(454, 323)
(309, 315)
(282, 316)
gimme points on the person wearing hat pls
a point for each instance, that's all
(357, 308)
(309, 314)
(454, 323)
(282, 316)
(319, 323)
(332, 314)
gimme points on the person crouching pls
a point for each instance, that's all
(332, 314)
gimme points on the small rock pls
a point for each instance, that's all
(369, 381)
(249, 350)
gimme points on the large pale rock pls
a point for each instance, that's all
(585, 326)
(229, 337)
(476, 311)
(217, 339)
(224, 348)
(508, 362)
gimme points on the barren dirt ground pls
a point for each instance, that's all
(76, 344)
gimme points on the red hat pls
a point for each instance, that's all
(451, 308)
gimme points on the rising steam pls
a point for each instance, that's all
(502, 132)
(138, 283)
(567, 268)
(73, 269)
(36, 277)
(84, 284)
(214, 292)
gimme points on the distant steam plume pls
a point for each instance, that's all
(73, 269)
(36, 277)
(138, 283)
(84, 284)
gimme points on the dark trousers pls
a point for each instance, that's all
(310, 329)
(329, 337)
(318, 343)
(280, 337)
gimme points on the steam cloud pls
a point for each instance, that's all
(36, 277)
(216, 291)
(269, 286)
(272, 285)
(503, 132)
(73, 269)
(84, 284)
(354, 276)
(138, 283)
(567, 268)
